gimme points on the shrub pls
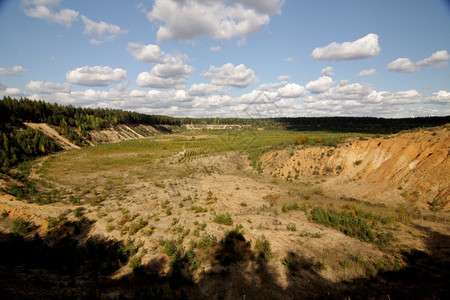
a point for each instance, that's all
(263, 249)
(292, 206)
(291, 227)
(434, 205)
(301, 140)
(319, 140)
(206, 241)
(224, 219)
(136, 226)
(78, 212)
(135, 263)
(21, 226)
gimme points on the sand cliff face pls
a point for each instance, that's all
(412, 166)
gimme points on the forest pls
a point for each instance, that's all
(19, 143)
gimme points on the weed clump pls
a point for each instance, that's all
(224, 219)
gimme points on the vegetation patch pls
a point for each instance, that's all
(351, 224)
(224, 219)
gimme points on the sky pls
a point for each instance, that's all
(234, 58)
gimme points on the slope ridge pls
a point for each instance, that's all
(411, 166)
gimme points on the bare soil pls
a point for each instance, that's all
(378, 175)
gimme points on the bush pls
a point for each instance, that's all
(301, 140)
(224, 219)
(21, 226)
(78, 212)
(135, 263)
(291, 227)
(263, 249)
(292, 206)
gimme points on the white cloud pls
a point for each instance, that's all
(103, 31)
(47, 10)
(146, 53)
(215, 48)
(319, 85)
(403, 65)
(345, 91)
(12, 92)
(3, 86)
(14, 70)
(437, 60)
(284, 78)
(42, 87)
(203, 89)
(289, 59)
(441, 97)
(365, 72)
(170, 70)
(228, 74)
(95, 76)
(218, 20)
(362, 48)
(328, 71)
(396, 98)
(173, 73)
(262, 6)
(291, 90)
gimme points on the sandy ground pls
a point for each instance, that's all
(370, 171)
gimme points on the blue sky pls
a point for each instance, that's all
(234, 58)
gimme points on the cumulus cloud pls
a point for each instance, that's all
(95, 76)
(365, 73)
(12, 92)
(328, 71)
(441, 97)
(49, 10)
(14, 70)
(319, 85)
(437, 60)
(170, 70)
(146, 53)
(289, 59)
(346, 91)
(404, 65)
(291, 90)
(42, 87)
(172, 73)
(103, 32)
(215, 48)
(228, 74)
(203, 89)
(361, 48)
(219, 20)
(396, 98)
